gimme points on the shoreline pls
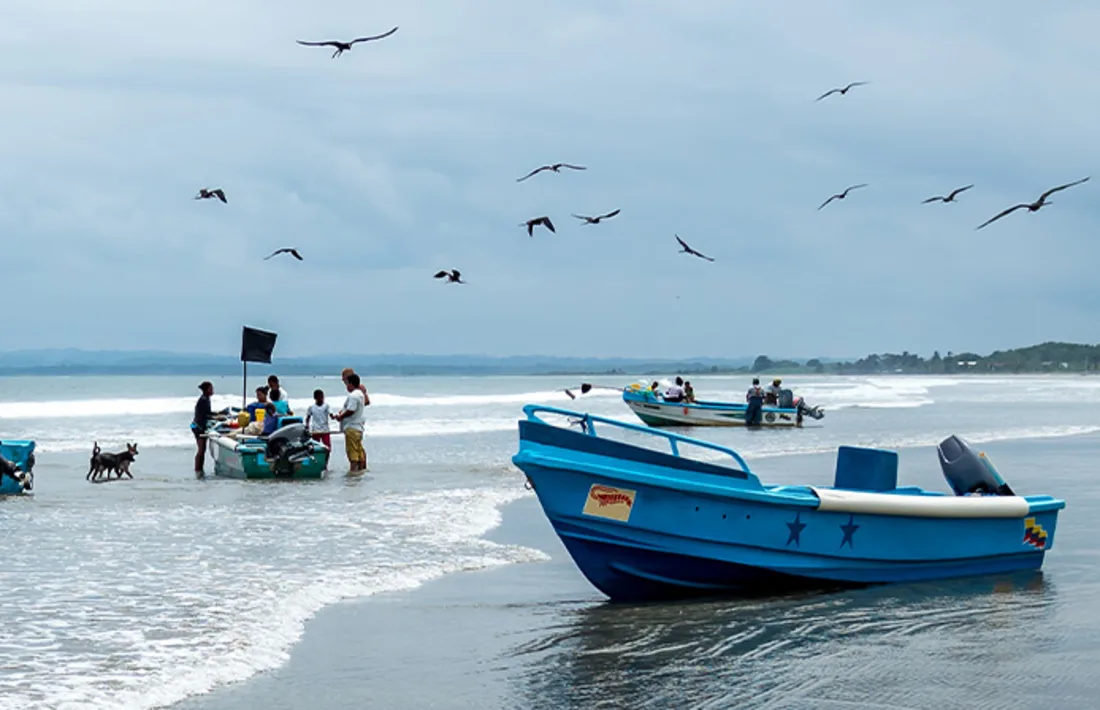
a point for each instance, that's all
(459, 640)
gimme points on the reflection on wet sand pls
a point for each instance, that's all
(902, 646)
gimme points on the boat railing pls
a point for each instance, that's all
(587, 423)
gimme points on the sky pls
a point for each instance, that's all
(400, 158)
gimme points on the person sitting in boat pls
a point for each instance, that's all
(271, 419)
(282, 406)
(755, 398)
(654, 390)
(675, 391)
(689, 393)
(260, 403)
(771, 393)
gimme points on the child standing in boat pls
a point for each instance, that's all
(317, 419)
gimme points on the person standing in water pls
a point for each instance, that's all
(201, 421)
(352, 420)
(755, 399)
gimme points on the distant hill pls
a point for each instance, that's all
(1045, 357)
(83, 362)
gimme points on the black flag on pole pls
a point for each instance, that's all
(257, 345)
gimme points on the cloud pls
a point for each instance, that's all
(400, 158)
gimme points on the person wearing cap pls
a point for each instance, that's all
(771, 394)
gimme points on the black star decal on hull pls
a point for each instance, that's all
(849, 530)
(796, 529)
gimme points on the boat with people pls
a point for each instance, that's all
(656, 411)
(645, 525)
(286, 453)
(16, 467)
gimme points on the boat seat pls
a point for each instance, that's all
(864, 469)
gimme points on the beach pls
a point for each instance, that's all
(536, 635)
(435, 580)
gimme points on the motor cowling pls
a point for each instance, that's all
(287, 446)
(969, 472)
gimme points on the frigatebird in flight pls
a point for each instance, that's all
(688, 250)
(205, 194)
(342, 47)
(532, 223)
(556, 167)
(842, 195)
(292, 252)
(950, 196)
(1033, 206)
(596, 220)
(453, 276)
(843, 91)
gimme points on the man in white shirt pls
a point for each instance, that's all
(675, 392)
(352, 420)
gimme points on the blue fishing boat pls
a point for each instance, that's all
(16, 467)
(658, 412)
(643, 524)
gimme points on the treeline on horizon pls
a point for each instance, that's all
(1045, 357)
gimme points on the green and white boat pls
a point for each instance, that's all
(287, 453)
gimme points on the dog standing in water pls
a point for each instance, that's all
(106, 463)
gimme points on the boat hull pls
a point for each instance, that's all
(21, 453)
(657, 413)
(639, 536)
(246, 460)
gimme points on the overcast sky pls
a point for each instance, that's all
(400, 158)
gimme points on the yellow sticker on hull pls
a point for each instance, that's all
(609, 502)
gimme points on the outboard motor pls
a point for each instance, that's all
(287, 446)
(787, 400)
(969, 472)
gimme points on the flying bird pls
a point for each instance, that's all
(688, 250)
(841, 91)
(205, 194)
(342, 47)
(596, 220)
(950, 196)
(453, 276)
(842, 195)
(556, 167)
(1034, 206)
(532, 223)
(292, 252)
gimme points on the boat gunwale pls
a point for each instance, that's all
(745, 484)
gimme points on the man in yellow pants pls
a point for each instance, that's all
(352, 420)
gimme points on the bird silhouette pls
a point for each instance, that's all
(205, 194)
(292, 252)
(688, 250)
(342, 47)
(596, 220)
(1033, 206)
(453, 276)
(556, 167)
(950, 196)
(532, 223)
(842, 91)
(842, 195)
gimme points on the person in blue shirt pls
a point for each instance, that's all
(282, 406)
(271, 419)
(260, 403)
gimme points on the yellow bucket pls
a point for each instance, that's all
(260, 414)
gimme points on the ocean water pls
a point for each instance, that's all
(140, 593)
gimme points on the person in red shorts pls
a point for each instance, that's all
(317, 419)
